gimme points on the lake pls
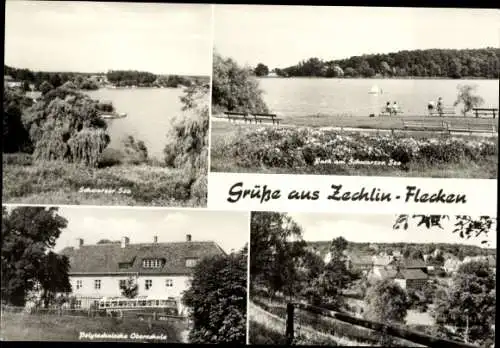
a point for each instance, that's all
(291, 97)
(149, 111)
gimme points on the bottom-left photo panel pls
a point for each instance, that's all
(123, 274)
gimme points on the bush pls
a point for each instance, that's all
(295, 147)
(135, 152)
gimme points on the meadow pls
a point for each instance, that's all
(58, 182)
(290, 149)
(43, 327)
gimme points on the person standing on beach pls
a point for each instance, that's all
(440, 106)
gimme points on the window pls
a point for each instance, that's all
(148, 284)
(191, 262)
(78, 304)
(79, 284)
(152, 263)
(97, 284)
(169, 283)
(122, 283)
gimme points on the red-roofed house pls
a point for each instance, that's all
(160, 270)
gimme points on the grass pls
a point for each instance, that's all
(60, 183)
(35, 327)
(346, 333)
(224, 134)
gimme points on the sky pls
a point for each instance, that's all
(97, 37)
(377, 228)
(281, 36)
(230, 230)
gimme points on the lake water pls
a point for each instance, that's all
(291, 97)
(149, 111)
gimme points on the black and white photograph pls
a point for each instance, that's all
(364, 91)
(124, 275)
(106, 103)
(372, 280)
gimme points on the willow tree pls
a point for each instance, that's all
(65, 125)
(187, 140)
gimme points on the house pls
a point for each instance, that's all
(272, 74)
(363, 262)
(8, 81)
(490, 259)
(451, 265)
(159, 269)
(411, 279)
(382, 262)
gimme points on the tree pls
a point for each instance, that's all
(465, 226)
(27, 233)
(386, 302)
(46, 87)
(187, 140)
(261, 70)
(469, 304)
(53, 277)
(467, 98)
(15, 136)
(273, 255)
(218, 299)
(234, 88)
(26, 86)
(66, 125)
(130, 289)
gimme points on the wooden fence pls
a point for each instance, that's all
(391, 330)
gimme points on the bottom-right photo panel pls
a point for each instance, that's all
(372, 280)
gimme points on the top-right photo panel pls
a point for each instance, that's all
(362, 91)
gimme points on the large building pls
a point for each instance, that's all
(161, 270)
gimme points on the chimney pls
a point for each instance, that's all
(155, 240)
(79, 243)
(125, 241)
(188, 237)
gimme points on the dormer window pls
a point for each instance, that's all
(191, 262)
(152, 263)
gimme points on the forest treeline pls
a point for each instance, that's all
(120, 78)
(438, 63)
(458, 250)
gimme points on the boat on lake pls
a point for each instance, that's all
(375, 90)
(113, 115)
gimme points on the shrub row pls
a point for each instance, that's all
(297, 147)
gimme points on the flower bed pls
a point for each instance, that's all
(301, 147)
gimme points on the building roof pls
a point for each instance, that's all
(388, 273)
(382, 260)
(357, 259)
(410, 263)
(106, 258)
(411, 274)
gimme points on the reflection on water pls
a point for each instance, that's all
(308, 96)
(149, 111)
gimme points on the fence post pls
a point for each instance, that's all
(289, 323)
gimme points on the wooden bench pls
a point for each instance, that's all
(445, 111)
(485, 111)
(424, 125)
(266, 117)
(472, 128)
(233, 116)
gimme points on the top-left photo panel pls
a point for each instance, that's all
(106, 103)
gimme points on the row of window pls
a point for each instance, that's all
(158, 263)
(148, 283)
